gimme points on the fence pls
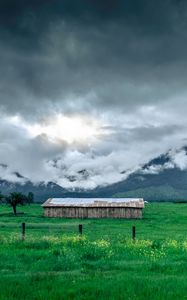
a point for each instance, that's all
(92, 230)
(95, 229)
(80, 231)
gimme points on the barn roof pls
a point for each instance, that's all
(94, 202)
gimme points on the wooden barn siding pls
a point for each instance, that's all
(93, 212)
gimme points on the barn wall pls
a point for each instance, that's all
(93, 212)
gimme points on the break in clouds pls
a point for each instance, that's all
(92, 90)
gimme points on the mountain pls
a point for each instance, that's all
(162, 179)
(168, 185)
(41, 190)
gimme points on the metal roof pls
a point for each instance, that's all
(94, 202)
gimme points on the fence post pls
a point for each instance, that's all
(133, 233)
(23, 231)
(80, 228)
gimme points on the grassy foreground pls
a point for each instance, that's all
(54, 262)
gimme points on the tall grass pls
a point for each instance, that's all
(75, 267)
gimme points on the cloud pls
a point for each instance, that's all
(117, 151)
(121, 63)
(176, 158)
(88, 57)
(179, 159)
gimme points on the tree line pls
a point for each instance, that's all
(14, 199)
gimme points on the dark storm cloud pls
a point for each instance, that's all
(108, 53)
(144, 133)
(13, 13)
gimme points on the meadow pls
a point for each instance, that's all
(55, 262)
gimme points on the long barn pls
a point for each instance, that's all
(94, 208)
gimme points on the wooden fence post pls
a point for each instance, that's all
(133, 233)
(23, 231)
(80, 228)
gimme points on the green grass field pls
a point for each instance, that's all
(55, 262)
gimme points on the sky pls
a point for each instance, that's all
(90, 90)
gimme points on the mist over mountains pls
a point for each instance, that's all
(163, 178)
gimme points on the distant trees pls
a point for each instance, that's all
(1, 197)
(14, 199)
(30, 197)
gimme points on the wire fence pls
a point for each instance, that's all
(94, 230)
(91, 230)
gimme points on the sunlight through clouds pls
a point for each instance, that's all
(70, 129)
